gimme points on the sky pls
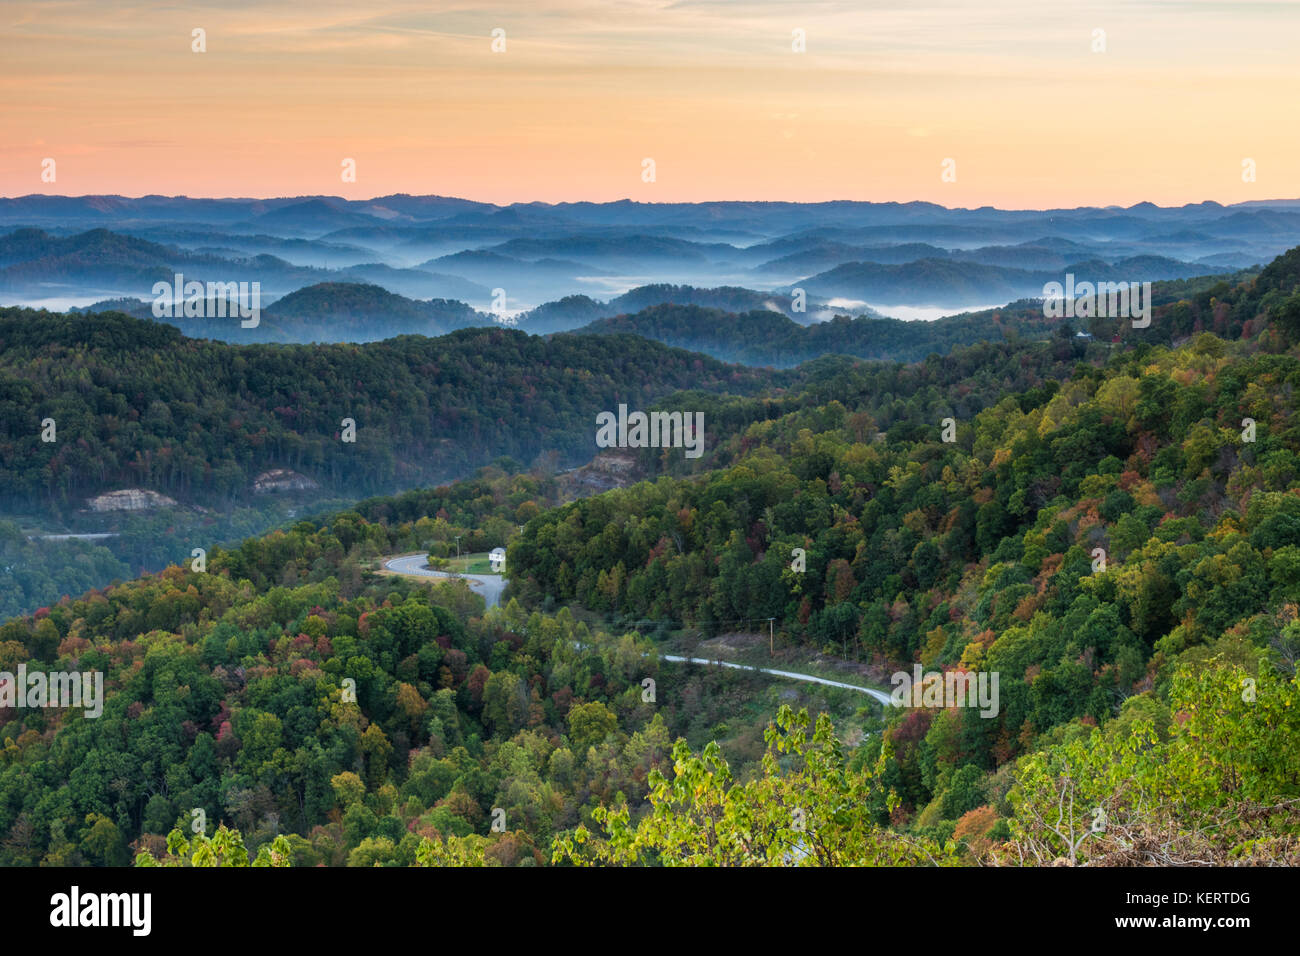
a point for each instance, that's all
(1022, 103)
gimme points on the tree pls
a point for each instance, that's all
(223, 848)
(808, 816)
(102, 841)
(590, 724)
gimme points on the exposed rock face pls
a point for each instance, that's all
(282, 479)
(130, 499)
(610, 469)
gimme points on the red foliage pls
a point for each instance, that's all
(458, 662)
(563, 700)
(477, 679)
(1129, 480)
(912, 729)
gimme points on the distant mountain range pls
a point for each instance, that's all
(554, 260)
(363, 312)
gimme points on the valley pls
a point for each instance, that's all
(828, 534)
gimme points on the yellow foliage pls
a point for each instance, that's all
(935, 640)
(972, 658)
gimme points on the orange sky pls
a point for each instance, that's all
(710, 89)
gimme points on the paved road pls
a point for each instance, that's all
(491, 586)
(879, 695)
(412, 566)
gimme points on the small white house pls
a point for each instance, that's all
(497, 558)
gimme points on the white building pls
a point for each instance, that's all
(497, 558)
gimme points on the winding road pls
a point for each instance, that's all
(879, 695)
(413, 566)
(491, 586)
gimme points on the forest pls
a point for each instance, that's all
(1114, 528)
(761, 336)
(138, 404)
(134, 404)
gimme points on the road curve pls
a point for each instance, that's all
(879, 695)
(413, 566)
(491, 586)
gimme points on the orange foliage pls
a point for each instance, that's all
(73, 646)
(1129, 480)
(1051, 564)
(973, 828)
(1028, 605)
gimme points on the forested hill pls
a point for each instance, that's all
(764, 337)
(367, 312)
(1119, 542)
(1151, 446)
(1088, 544)
(262, 408)
(40, 571)
(768, 338)
(322, 312)
(1121, 681)
(136, 404)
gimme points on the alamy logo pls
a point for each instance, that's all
(953, 689)
(73, 909)
(656, 430)
(194, 300)
(1121, 300)
(53, 689)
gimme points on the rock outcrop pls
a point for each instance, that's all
(282, 479)
(608, 470)
(130, 499)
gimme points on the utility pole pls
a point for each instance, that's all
(457, 547)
